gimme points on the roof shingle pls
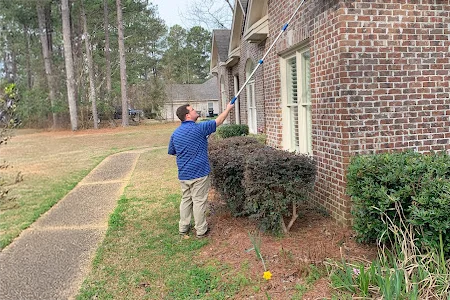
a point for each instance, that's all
(222, 38)
(204, 91)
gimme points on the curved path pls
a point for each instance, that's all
(50, 259)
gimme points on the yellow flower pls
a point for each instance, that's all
(267, 275)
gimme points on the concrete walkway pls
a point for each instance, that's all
(50, 259)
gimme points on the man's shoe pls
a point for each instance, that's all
(201, 236)
(186, 232)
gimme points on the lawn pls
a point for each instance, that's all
(51, 163)
(142, 255)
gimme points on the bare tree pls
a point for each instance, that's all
(209, 13)
(123, 67)
(107, 50)
(92, 94)
(47, 53)
(68, 59)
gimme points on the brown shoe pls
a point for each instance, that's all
(201, 236)
(186, 232)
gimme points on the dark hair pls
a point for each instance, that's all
(182, 111)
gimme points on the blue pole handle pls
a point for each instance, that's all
(233, 100)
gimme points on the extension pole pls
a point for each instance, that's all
(270, 48)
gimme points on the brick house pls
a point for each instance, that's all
(346, 78)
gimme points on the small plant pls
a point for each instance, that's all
(8, 97)
(403, 271)
(256, 242)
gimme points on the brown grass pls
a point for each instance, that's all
(52, 162)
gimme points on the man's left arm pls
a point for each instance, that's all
(171, 149)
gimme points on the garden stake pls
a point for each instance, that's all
(264, 56)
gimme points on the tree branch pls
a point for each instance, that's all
(294, 216)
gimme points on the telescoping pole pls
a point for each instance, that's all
(270, 48)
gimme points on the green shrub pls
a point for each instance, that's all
(419, 183)
(260, 181)
(230, 130)
(227, 168)
(430, 213)
(275, 183)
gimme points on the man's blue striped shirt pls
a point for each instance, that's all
(189, 142)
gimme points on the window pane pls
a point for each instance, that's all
(292, 80)
(295, 140)
(306, 123)
(306, 87)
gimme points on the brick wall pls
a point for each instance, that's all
(379, 80)
(253, 52)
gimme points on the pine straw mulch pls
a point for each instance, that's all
(313, 238)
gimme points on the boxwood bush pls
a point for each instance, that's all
(418, 183)
(230, 130)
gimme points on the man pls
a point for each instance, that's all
(189, 142)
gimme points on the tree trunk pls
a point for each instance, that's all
(107, 50)
(70, 80)
(5, 65)
(123, 68)
(92, 94)
(46, 52)
(13, 64)
(294, 216)
(28, 56)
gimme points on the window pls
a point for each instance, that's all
(251, 101)
(296, 97)
(210, 111)
(237, 105)
(223, 95)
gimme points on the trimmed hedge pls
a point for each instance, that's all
(419, 183)
(230, 130)
(276, 182)
(227, 169)
(259, 181)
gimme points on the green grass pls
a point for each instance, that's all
(39, 201)
(143, 256)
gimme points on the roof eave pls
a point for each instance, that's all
(258, 31)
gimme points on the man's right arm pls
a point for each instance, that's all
(224, 114)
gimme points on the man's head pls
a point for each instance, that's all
(187, 113)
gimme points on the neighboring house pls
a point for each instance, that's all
(346, 78)
(202, 97)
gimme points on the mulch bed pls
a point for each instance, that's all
(313, 238)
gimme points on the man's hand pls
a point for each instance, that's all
(224, 114)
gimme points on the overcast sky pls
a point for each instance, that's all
(169, 10)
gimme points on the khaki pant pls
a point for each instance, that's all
(193, 201)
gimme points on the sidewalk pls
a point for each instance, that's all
(50, 259)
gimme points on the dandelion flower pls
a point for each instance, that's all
(267, 275)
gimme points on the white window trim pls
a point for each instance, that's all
(251, 110)
(304, 112)
(250, 90)
(223, 96)
(237, 105)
